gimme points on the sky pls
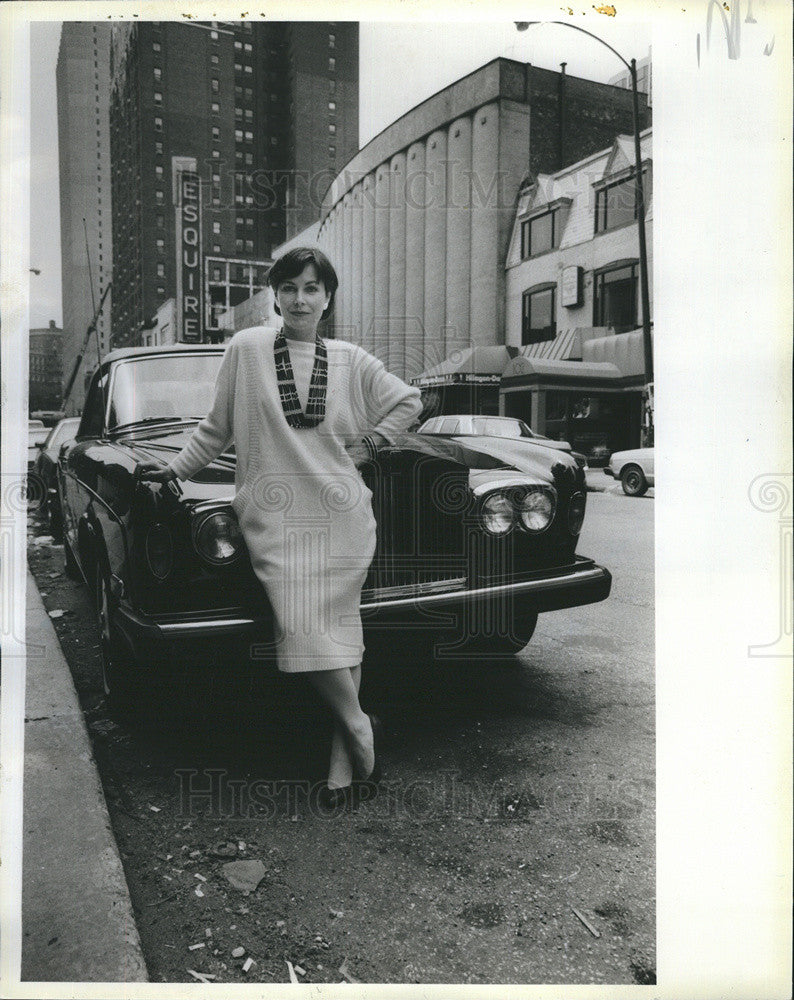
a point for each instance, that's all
(423, 56)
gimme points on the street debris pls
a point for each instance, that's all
(43, 540)
(57, 613)
(195, 947)
(335, 914)
(201, 878)
(226, 849)
(300, 970)
(204, 977)
(198, 892)
(244, 875)
(155, 809)
(292, 977)
(345, 974)
(238, 952)
(248, 963)
(586, 922)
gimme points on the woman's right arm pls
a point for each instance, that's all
(211, 436)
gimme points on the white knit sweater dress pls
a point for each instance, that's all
(303, 508)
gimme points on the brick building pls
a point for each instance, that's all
(238, 107)
(45, 368)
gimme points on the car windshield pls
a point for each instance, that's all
(163, 387)
(501, 427)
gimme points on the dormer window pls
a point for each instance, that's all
(540, 234)
(616, 203)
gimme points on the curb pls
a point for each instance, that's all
(77, 918)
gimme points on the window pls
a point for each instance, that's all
(160, 219)
(216, 108)
(615, 297)
(156, 47)
(158, 74)
(616, 204)
(238, 135)
(216, 248)
(158, 124)
(238, 112)
(238, 245)
(538, 315)
(249, 159)
(332, 150)
(249, 115)
(216, 132)
(160, 245)
(249, 221)
(216, 86)
(214, 36)
(239, 220)
(249, 136)
(216, 228)
(249, 245)
(238, 67)
(158, 97)
(159, 197)
(331, 65)
(332, 129)
(158, 148)
(248, 68)
(540, 234)
(331, 41)
(238, 45)
(332, 105)
(158, 170)
(216, 154)
(248, 47)
(214, 58)
(161, 270)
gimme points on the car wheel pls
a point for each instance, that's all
(633, 481)
(70, 565)
(118, 663)
(522, 630)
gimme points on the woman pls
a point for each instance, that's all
(301, 412)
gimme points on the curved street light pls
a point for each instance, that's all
(640, 199)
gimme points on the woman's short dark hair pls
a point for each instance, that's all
(292, 263)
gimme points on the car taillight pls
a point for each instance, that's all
(159, 551)
(536, 509)
(217, 538)
(576, 513)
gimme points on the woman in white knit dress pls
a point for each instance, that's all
(301, 412)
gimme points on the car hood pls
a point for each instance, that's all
(480, 454)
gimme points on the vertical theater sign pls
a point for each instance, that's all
(187, 188)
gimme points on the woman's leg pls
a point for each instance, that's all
(340, 767)
(340, 692)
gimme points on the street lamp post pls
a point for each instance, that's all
(639, 196)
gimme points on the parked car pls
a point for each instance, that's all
(470, 549)
(474, 425)
(634, 469)
(37, 435)
(46, 467)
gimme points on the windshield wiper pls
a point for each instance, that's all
(154, 420)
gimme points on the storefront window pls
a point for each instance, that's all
(615, 299)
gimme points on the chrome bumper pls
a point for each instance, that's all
(585, 583)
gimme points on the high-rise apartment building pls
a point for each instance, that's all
(220, 133)
(83, 88)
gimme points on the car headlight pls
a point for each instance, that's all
(576, 513)
(536, 509)
(497, 514)
(159, 551)
(218, 538)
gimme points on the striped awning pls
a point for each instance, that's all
(558, 349)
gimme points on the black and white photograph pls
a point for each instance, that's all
(346, 639)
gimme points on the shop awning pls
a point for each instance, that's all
(624, 350)
(522, 367)
(469, 365)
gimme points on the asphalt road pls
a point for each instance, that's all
(517, 792)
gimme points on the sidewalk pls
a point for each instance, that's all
(77, 921)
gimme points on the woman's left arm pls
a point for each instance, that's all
(388, 405)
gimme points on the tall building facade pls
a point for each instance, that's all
(418, 223)
(83, 89)
(212, 128)
(45, 368)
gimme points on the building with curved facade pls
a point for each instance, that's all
(418, 223)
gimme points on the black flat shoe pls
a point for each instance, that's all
(335, 798)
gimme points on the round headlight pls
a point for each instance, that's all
(576, 513)
(218, 538)
(497, 514)
(159, 551)
(536, 509)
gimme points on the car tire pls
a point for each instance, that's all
(70, 564)
(55, 521)
(119, 674)
(633, 481)
(522, 630)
